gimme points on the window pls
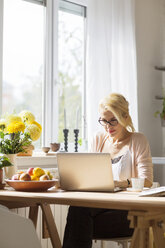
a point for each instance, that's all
(65, 67)
(23, 58)
(27, 73)
(71, 43)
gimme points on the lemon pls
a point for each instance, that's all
(34, 178)
(38, 172)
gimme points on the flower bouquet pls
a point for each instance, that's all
(16, 135)
(17, 132)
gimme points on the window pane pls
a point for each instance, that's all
(71, 57)
(23, 48)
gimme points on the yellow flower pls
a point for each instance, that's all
(34, 131)
(13, 118)
(27, 116)
(2, 124)
(37, 124)
(16, 127)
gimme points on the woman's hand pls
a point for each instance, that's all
(125, 184)
(122, 184)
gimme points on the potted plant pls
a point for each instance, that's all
(4, 162)
(161, 113)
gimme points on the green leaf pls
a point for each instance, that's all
(4, 162)
(12, 144)
(2, 135)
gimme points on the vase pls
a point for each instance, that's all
(1, 176)
(11, 170)
(28, 151)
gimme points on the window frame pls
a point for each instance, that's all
(51, 77)
(40, 2)
(83, 3)
(50, 125)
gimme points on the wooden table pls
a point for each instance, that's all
(144, 212)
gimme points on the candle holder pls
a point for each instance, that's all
(76, 132)
(66, 131)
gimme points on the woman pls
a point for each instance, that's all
(131, 157)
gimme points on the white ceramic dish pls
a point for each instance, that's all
(136, 190)
(133, 190)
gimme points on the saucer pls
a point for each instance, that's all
(134, 190)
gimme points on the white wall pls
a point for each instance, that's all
(148, 29)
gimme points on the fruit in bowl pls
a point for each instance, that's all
(30, 171)
(15, 177)
(38, 172)
(49, 174)
(44, 177)
(34, 178)
(33, 174)
(25, 177)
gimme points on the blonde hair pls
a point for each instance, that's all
(119, 106)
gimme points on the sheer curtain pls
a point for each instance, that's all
(111, 56)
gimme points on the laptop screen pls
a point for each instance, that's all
(85, 171)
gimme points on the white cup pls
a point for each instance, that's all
(137, 183)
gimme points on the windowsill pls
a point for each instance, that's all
(38, 159)
(158, 160)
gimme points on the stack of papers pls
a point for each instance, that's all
(159, 191)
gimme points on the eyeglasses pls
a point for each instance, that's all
(112, 122)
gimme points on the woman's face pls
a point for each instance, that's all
(115, 129)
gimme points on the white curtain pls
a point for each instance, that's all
(111, 55)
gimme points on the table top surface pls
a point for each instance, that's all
(119, 200)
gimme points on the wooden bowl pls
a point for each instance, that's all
(54, 146)
(45, 149)
(32, 185)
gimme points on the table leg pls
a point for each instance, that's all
(33, 214)
(135, 240)
(142, 222)
(55, 239)
(144, 238)
(45, 232)
(158, 234)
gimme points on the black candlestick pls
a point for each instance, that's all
(66, 131)
(76, 131)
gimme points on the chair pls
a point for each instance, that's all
(16, 231)
(118, 231)
(122, 242)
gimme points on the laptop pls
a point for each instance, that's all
(85, 172)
